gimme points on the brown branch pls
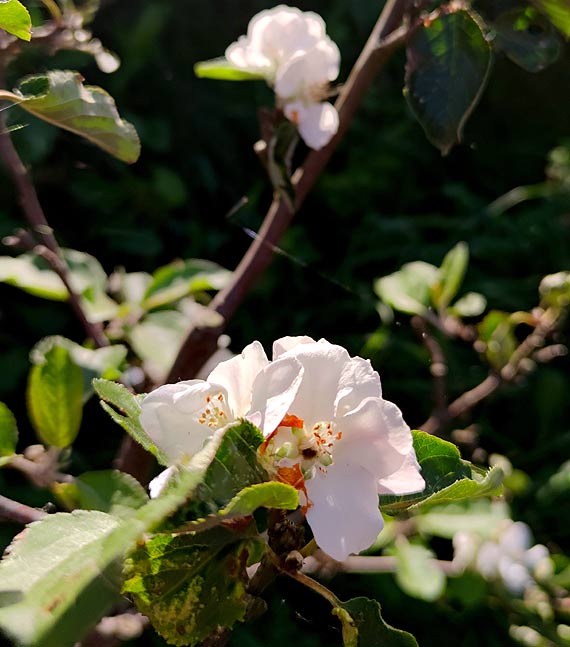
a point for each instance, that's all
(34, 214)
(19, 512)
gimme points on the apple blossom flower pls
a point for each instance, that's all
(341, 444)
(291, 50)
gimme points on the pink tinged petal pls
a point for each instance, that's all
(159, 483)
(237, 375)
(344, 515)
(358, 381)
(406, 480)
(375, 436)
(318, 124)
(322, 363)
(273, 393)
(298, 76)
(170, 416)
(286, 344)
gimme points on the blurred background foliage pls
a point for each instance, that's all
(387, 198)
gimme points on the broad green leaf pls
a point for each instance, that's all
(190, 585)
(222, 70)
(471, 304)
(15, 19)
(98, 362)
(181, 278)
(60, 98)
(31, 274)
(497, 332)
(451, 275)
(409, 289)
(65, 573)
(266, 495)
(363, 626)
(416, 573)
(558, 12)
(527, 38)
(480, 516)
(8, 432)
(448, 65)
(55, 398)
(110, 491)
(448, 478)
(125, 411)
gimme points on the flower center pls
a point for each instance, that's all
(215, 413)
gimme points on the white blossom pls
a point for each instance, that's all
(292, 51)
(342, 444)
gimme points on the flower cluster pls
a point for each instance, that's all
(291, 50)
(327, 430)
(509, 556)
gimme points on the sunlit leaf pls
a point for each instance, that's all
(363, 626)
(15, 19)
(480, 516)
(409, 290)
(222, 70)
(558, 12)
(448, 64)
(8, 432)
(497, 332)
(452, 273)
(55, 398)
(416, 573)
(60, 98)
(471, 304)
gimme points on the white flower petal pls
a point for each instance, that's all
(344, 515)
(405, 480)
(376, 437)
(488, 557)
(307, 71)
(157, 485)
(358, 381)
(515, 576)
(274, 390)
(317, 123)
(288, 343)
(170, 416)
(535, 555)
(237, 375)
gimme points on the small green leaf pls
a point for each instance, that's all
(15, 19)
(221, 69)
(558, 12)
(60, 98)
(266, 495)
(98, 362)
(448, 65)
(409, 289)
(55, 398)
(448, 478)
(452, 273)
(31, 274)
(181, 278)
(110, 491)
(8, 432)
(363, 626)
(497, 332)
(480, 516)
(471, 304)
(416, 573)
(527, 38)
(125, 411)
(190, 585)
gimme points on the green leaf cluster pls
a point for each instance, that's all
(15, 19)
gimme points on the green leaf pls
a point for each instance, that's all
(181, 278)
(452, 273)
(8, 432)
(262, 495)
(65, 573)
(31, 274)
(527, 38)
(448, 478)
(471, 304)
(416, 573)
(480, 517)
(60, 98)
(125, 411)
(409, 289)
(363, 626)
(222, 70)
(497, 332)
(55, 398)
(98, 362)
(448, 65)
(15, 19)
(558, 12)
(110, 491)
(190, 585)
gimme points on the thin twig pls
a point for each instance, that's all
(19, 512)
(438, 365)
(34, 214)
